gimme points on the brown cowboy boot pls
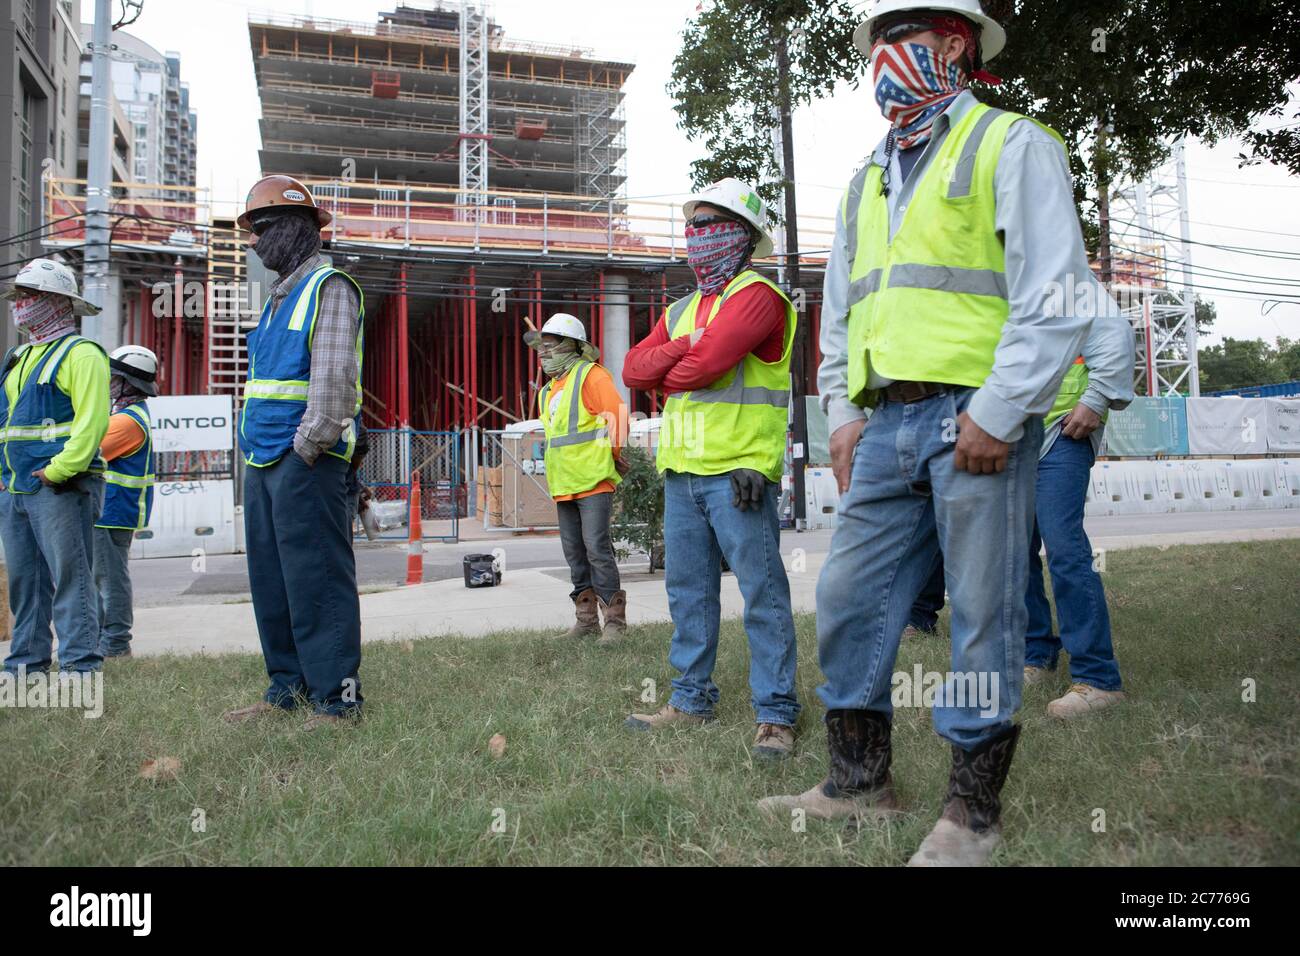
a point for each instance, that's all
(859, 785)
(588, 617)
(615, 614)
(970, 827)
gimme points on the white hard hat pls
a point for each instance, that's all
(741, 199)
(992, 37)
(46, 275)
(138, 365)
(566, 326)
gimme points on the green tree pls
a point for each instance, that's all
(727, 88)
(1241, 363)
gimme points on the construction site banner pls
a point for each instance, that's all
(1149, 426)
(1227, 426)
(1283, 424)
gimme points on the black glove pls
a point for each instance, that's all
(748, 488)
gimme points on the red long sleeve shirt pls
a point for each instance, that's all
(752, 320)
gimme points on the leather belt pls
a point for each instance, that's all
(908, 392)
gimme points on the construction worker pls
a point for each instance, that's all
(127, 449)
(584, 417)
(722, 355)
(55, 413)
(297, 433)
(1099, 380)
(938, 316)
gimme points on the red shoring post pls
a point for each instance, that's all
(472, 398)
(178, 380)
(403, 354)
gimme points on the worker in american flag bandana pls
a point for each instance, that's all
(938, 321)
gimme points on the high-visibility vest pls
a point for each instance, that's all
(129, 480)
(578, 451)
(37, 425)
(929, 306)
(1073, 386)
(279, 367)
(740, 420)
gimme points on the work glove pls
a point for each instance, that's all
(622, 466)
(748, 488)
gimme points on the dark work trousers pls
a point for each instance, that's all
(584, 534)
(304, 581)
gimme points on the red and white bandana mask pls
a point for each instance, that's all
(44, 317)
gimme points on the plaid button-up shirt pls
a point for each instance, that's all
(332, 383)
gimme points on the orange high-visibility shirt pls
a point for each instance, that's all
(124, 437)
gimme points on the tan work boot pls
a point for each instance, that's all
(666, 716)
(970, 827)
(587, 620)
(242, 714)
(1083, 699)
(615, 614)
(773, 742)
(1036, 675)
(859, 786)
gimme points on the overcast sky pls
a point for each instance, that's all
(1257, 207)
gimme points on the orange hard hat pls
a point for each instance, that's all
(281, 191)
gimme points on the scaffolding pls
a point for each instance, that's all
(474, 134)
(1152, 277)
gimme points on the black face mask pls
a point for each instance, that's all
(289, 240)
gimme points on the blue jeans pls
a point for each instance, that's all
(928, 604)
(303, 578)
(905, 504)
(1063, 476)
(113, 584)
(701, 525)
(49, 548)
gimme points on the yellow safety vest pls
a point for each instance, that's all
(740, 420)
(578, 452)
(929, 306)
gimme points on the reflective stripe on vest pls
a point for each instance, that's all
(930, 303)
(740, 421)
(128, 493)
(578, 453)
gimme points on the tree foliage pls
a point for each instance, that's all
(725, 85)
(1241, 363)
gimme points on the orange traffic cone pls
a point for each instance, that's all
(415, 541)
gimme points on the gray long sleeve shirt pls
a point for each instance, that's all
(1044, 251)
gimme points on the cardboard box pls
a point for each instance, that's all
(525, 498)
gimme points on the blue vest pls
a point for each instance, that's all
(128, 498)
(36, 427)
(279, 367)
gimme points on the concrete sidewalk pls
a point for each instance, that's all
(536, 598)
(525, 600)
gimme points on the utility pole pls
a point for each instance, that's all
(798, 363)
(99, 176)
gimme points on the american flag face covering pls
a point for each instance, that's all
(914, 84)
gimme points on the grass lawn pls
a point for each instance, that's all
(1186, 772)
